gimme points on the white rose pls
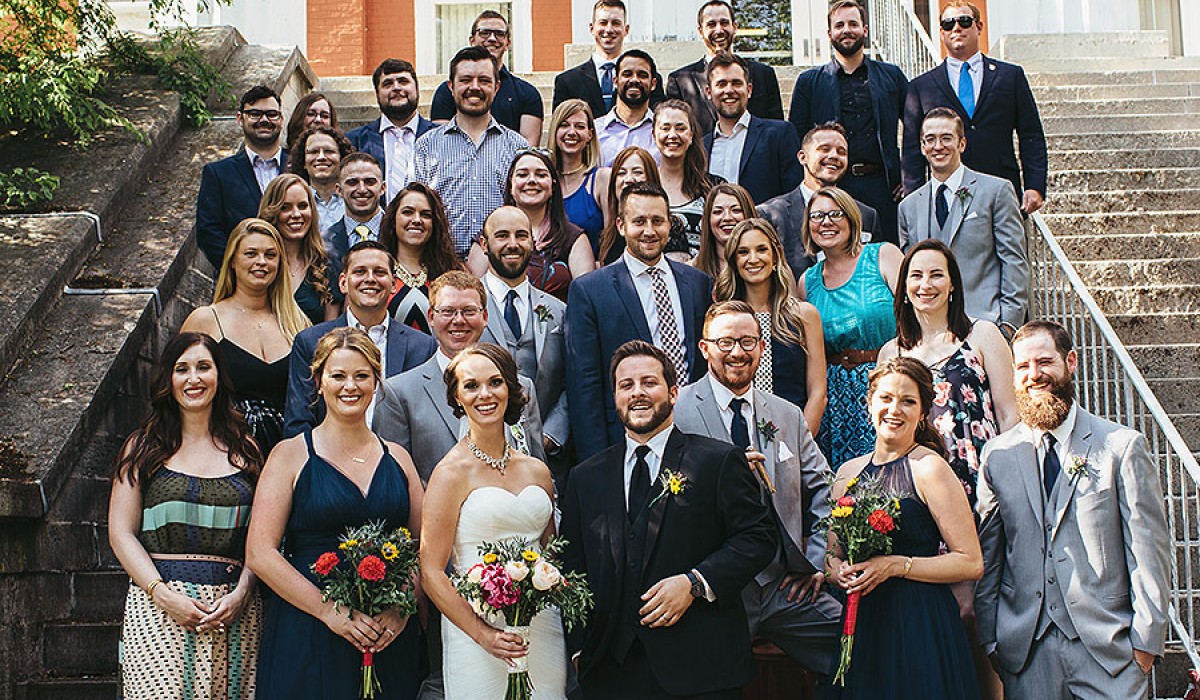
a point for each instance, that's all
(516, 570)
(545, 576)
(475, 574)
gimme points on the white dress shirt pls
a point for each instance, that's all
(952, 184)
(373, 223)
(498, 289)
(398, 144)
(265, 169)
(1062, 445)
(644, 285)
(598, 60)
(726, 158)
(723, 395)
(379, 336)
(615, 135)
(954, 73)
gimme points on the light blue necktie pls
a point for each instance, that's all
(966, 90)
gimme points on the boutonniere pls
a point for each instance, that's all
(767, 429)
(962, 194)
(518, 433)
(1079, 466)
(672, 482)
(543, 313)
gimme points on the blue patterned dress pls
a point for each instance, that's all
(962, 413)
(857, 315)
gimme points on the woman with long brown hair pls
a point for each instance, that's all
(416, 232)
(632, 165)
(316, 157)
(177, 519)
(683, 171)
(288, 204)
(312, 110)
(726, 206)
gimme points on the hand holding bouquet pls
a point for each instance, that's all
(371, 572)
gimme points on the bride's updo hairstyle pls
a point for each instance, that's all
(350, 339)
(926, 435)
(508, 371)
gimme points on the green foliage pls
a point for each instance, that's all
(176, 59)
(23, 187)
(773, 16)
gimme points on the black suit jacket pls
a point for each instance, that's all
(717, 525)
(581, 82)
(769, 166)
(689, 83)
(228, 194)
(1005, 105)
(367, 139)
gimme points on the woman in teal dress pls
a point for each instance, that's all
(852, 287)
(177, 522)
(313, 488)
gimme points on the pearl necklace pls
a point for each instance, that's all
(498, 463)
(412, 280)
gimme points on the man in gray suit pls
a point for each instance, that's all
(978, 216)
(528, 322)
(414, 411)
(1073, 599)
(784, 603)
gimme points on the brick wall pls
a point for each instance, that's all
(337, 37)
(551, 30)
(390, 32)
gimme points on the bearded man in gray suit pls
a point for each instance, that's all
(1073, 599)
(978, 217)
(784, 603)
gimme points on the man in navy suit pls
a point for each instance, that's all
(367, 279)
(230, 189)
(992, 98)
(758, 154)
(867, 98)
(717, 28)
(391, 137)
(642, 296)
(360, 180)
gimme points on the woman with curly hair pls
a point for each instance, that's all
(177, 521)
(312, 111)
(416, 232)
(288, 204)
(317, 157)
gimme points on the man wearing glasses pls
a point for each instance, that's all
(230, 189)
(518, 105)
(993, 100)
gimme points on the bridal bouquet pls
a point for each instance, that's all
(862, 519)
(517, 579)
(372, 571)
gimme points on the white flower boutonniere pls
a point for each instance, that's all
(544, 314)
(1079, 467)
(962, 194)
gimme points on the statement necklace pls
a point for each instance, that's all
(498, 463)
(410, 279)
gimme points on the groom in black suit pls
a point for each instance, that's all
(669, 527)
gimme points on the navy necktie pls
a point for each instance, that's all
(1050, 465)
(639, 483)
(606, 83)
(738, 430)
(940, 209)
(510, 314)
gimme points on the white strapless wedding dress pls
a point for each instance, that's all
(489, 514)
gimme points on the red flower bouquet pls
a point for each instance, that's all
(375, 571)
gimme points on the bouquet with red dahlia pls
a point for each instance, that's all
(373, 570)
(518, 579)
(862, 518)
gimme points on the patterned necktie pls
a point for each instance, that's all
(940, 209)
(668, 331)
(738, 430)
(966, 90)
(510, 314)
(397, 176)
(606, 83)
(1050, 465)
(639, 483)
(363, 232)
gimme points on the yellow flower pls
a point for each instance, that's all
(842, 511)
(896, 503)
(529, 555)
(389, 551)
(675, 484)
(490, 558)
(407, 535)
(348, 544)
(852, 483)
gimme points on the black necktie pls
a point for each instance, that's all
(606, 83)
(510, 314)
(1050, 465)
(639, 483)
(738, 430)
(940, 209)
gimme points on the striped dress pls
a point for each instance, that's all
(186, 516)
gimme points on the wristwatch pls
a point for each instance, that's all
(697, 584)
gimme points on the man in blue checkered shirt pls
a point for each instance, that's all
(467, 159)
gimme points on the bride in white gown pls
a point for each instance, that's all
(484, 492)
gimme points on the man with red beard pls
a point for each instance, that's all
(1073, 599)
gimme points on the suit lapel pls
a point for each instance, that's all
(435, 389)
(959, 208)
(710, 412)
(397, 346)
(987, 70)
(614, 490)
(1026, 466)
(623, 284)
(496, 324)
(752, 133)
(655, 513)
(246, 170)
(923, 203)
(941, 79)
(687, 301)
(1065, 487)
(536, 299)
(762, 412)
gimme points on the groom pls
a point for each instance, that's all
(669, 527)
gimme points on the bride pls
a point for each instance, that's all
(484, 492)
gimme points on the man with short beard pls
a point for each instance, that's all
(231, 188)
(867, 98)
(630, 123)
(528, 322)
(392, 137)
(1073, 599)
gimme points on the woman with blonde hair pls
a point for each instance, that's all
(726, 206)
(289, 205)
(254, 318)
(575, 150)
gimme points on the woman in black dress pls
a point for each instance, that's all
(417, 233)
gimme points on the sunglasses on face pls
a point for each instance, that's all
(963, 21)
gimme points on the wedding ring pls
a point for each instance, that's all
(389, 631)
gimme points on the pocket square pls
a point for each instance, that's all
(972, 215)
(784, 453)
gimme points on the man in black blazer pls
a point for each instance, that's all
(717, 28)
(669, 528)
(593, 80)
(758, 154)
(992, 98)
(231, 188)
(391, 137)
(867, 98)
(641, 296)
(366, 281)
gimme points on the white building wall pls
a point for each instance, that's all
(1058, 16)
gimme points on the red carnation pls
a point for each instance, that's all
(372, 568)
(325, 563)
(880, 521)
(846, 501)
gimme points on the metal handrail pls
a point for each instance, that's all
(899, 37)
(1109, 384)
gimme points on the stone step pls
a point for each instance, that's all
(1120, 123)
(1188, 425)
(1137, 273)
(1094, 139)
(1122, 201)
(1124, 158)
(1178, 394)
(1131, 246)
(1122, 222)
(1114, 106)
(1166, 361)
(88, 688)
(81, 648)
(1178, 298)
(1116, 72)
(1141, 179)
(1164, 328)
(99, 596)
(1045, 94)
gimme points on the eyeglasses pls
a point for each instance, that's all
(256, 114)
(963, 21)
(832, 215)
(748, 342)
(318, 114)
(939, 139)
(448, 313)
(494, 33)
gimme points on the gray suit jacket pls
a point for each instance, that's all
(1110, 544)
(786, 214)
(794, 462)
(414, 414)
(986, 233)
(551, 349)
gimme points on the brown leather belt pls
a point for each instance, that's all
(860, 169)
(852, 358)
